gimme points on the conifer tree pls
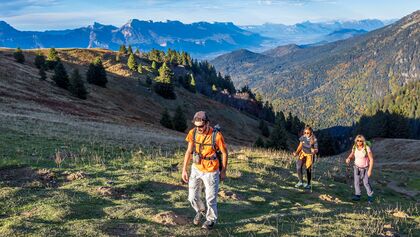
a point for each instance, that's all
(60, 76)
(214, 88)
(18, 55)
(42, 74)
(96, 73)
(130, 49)
(278, 137)
(52, 58)
(179, 120)
(164, 85)
(140, 69)
(264, 128)
(131, 63)
(192, 84)
(154, 66)
(77, 87)
(166, 120)
(39, 60)
(122, 50)
(259, 143)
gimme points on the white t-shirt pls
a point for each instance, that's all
(361, 159)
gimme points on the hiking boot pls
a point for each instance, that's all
(307, 186)
(208, 225)
(198, 217)
(299, 184)
(370, 199)
(356, 198)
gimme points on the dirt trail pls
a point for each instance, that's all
(394, 186)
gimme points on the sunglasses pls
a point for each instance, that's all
(200, 126)
(359, 141)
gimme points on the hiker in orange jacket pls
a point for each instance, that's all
(204, 144)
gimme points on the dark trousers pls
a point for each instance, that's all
(300, 164)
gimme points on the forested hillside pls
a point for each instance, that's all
(395, 116)
(335, 83)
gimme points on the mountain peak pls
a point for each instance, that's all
(97, 24)
(5, 26)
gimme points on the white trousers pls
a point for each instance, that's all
(210, 180)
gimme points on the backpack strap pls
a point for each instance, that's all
(213, 138)
(194, 135)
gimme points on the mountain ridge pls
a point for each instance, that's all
(198, 38)
(366, 66)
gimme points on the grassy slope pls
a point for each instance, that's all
(140, 164)
(126, 102)
(145, 181)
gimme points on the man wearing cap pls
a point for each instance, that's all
(206, 170)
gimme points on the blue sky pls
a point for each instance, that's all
(63, 14)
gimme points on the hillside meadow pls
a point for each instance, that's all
(65, 184)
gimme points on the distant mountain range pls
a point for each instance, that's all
(197, 38)
(311, 33)
(331, 84)
(201, 39)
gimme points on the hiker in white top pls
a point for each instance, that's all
(363, 165)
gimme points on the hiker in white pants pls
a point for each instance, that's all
(207, 149)
(363, 165)
(210, 180)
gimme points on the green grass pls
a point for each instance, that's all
(146, 181)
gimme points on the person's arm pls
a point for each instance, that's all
(224, 162)
(315, 149)
(187, 159)
(299, 149)
(221, 145)
(351, 156)
(370, 156)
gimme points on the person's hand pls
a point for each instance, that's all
(222, 175)
(294, 153)
(369, 173)
(185, 176)
(348, 161)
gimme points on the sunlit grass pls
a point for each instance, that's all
(142, 181)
